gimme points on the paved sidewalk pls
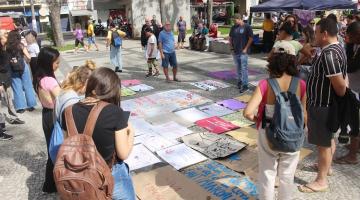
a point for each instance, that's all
(22, 160)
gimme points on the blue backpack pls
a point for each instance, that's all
(285, 132)
(57, 135)
(116, 39)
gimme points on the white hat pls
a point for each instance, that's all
(284, 47)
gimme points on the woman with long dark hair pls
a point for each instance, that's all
(47, 89)
(112, 134)
(24, 96)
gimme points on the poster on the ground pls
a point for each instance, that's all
(216, 125)
(141, 157)
(203, 86)
(172, 130)
(166, 183)
(232, 104)
(168, 117)
(154, 142)
(247, 135)
(180, 156)
(141, 88)
(221, 181)
(126, 92)
(141, 126)
(244, 98)
(238, 119)
(212, 145)
(130, 82)
(215, 110)
(192, 114)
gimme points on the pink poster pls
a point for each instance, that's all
(216, 125)
(130, 82)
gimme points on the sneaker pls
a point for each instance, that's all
(117, 69)
(244, 88)
(239, 85)
(16, 121)
(20, 111)
(4, 136)
(30, 109)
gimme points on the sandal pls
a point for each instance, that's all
(345, 160)
(307, 189)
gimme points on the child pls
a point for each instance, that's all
(79, 37)
(151, 52)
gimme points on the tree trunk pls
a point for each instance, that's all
(54, 8)
(209, 12)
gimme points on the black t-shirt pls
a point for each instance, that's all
(112, 118)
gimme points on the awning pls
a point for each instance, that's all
(75, 13)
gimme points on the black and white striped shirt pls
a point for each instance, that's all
(330, 62)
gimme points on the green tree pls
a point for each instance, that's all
(54, 8)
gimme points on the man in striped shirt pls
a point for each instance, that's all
(326, 80)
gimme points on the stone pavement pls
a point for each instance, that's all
(22, 160)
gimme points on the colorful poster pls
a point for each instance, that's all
(203, 86)
(192, 114)
(212, 145)
(141, 88)
(216, 84)
(180, 156)
(232, 104)
(223, 75)
(221, 181)
(166, 183)
(210, 85)
(141, 157)
(216, 125)
(247, 135)
(130, 82)
(172, 130)
(238, 119)
(126, 92)
(215, 110)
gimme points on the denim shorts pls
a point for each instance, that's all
(91, 40)
(123, 185)
(169, 58)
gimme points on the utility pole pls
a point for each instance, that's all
(209, 12)
(33, 21)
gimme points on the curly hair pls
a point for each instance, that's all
(77, 79)
(13, 44)
(281, 63)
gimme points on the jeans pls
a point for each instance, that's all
(115, 56)
(24, 94)
(272, 164)
(241, 61)
(123, 185)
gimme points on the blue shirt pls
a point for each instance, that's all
(167, 41)
(240, 36)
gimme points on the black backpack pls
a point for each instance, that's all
(17, 62)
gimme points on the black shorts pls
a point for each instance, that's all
(319, 133)
(77, 42)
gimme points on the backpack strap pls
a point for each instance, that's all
(274, 86)
(70, 123)
(93, 115)
(293, 85)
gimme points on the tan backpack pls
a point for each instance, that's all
(80, 172)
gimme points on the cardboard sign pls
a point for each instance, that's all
(141, 88)
(126, 92)
(180, 156)
(221, 181)
(215, 110)
(216, 125)
(244, 98)
(130, 82)
(247, 135)
(192, 114)
(166, 183)
(212, 145)
(141, 157)
(238, 119)
(232, 104)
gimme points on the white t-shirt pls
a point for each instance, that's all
(33, 49)
(151, 40)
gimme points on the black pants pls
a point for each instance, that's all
(268, 41)
(48, 124)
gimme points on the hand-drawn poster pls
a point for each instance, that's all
(172, 130)
(165, 183)
(223, 75)
(245, 161)
(192, 114)
(215, 110)
(154, 142)
(216, 125)
(126, 92)
(247, 135)
(130, 82)
(238, 119)
(203, 86)
(244, 98)
(141, 126)
(232, 104)
(212, 145)
(180, 156)
(162, 103)
(217, 84)
(141, 88)
(221, 181)
(141, 157)
(168, 117)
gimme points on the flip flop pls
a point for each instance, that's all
(344, 161)
(307, 189)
